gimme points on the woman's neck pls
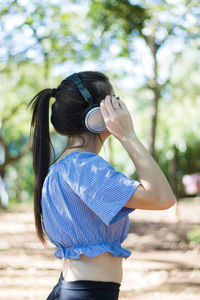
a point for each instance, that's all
(93, 145)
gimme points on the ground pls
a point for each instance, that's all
(163, 265)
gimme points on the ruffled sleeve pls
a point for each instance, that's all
(103, 189)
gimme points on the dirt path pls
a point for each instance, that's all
(163, 265)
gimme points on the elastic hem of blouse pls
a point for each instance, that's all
(115, 249)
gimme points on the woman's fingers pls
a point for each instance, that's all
(116, 104)
(109, 105)
(122, 105)
(103, 110)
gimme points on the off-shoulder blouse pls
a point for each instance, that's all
(83, 198)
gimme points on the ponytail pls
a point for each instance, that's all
(41, 150)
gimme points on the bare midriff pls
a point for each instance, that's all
(103, 267)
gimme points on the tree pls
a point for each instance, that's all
(35, 37)
(156, 25)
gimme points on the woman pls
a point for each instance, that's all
(81, 202)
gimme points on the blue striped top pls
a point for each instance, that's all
(83, 212)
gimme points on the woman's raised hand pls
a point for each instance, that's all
(117, 117)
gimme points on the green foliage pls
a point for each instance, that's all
(194, 235)
(115, 21)
(51, 32)
(43, 36)
(129, 16)
(20, 180)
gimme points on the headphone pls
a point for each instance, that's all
(92, 118)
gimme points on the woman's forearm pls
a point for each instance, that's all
(150, 175)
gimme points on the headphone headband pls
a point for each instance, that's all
(82, 89)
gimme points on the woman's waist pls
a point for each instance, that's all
(103, 267)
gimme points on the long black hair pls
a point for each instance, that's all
(64, 118)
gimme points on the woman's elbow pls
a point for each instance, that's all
(168, 202)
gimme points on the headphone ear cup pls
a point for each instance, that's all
(94, 121)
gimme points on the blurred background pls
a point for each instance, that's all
(150, 50)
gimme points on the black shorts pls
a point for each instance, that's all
(84, 289)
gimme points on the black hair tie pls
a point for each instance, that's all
(53, 92)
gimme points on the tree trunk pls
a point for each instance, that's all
(155, 87)
(173, 171)
(154, 123)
